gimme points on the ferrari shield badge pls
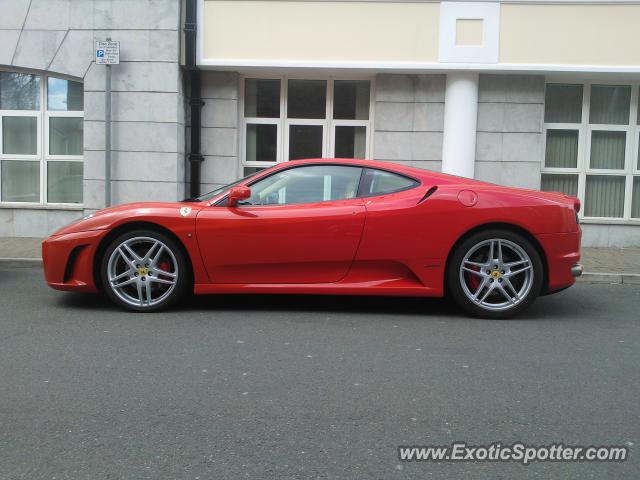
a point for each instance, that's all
(184, 211)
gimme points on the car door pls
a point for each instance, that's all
(397, 231)
(300, 225)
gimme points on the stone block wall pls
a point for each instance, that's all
(409, 119)
(220, 129)
(147, 106)
(57, 37)
(509, 133)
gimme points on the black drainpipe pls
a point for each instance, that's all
(196, 103)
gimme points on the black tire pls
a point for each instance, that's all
(455, 276)
(172, 260)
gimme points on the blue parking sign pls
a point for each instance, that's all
(100, 53)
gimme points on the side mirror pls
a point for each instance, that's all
(236, 194)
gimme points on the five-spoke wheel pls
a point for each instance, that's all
(144, 271)
(495, 274)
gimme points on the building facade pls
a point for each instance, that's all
(535, 94)
(52, 109)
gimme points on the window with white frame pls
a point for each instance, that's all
(291, 118)
(592, 134)
(41, 139)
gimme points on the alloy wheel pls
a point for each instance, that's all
(142, 271)
(496, 274)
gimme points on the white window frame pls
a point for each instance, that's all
(21, 113)
(307, 122)
(42, 141)
(311, 122)
(283, 122)
(585, 129)
(635, 151)
(48, 158)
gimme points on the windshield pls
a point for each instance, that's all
(213, 193)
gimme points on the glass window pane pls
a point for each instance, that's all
(262, 143)
(610, 104)
(305, 141)
(635, 200)
(20, 181)
(604, 196)
(563, 103)
(562, 149)
(351, 142)
(307, 99)
(19, 135)
(351, 100)
(379, 182)
(19, 91)
(261, 98)
(251, 171)
(607, 149)
(560, 183)
(64, 95)
(65, 136)
(64, 182)
(318, 183)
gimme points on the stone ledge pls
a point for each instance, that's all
(20, 262)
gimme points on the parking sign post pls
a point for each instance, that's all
(107, 53)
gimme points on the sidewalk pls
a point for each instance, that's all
(601, 265)
(611, 265)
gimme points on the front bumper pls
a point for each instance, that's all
(68, 260)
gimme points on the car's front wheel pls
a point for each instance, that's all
(144, 270)
(495, 274)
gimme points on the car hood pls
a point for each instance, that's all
(140, 211)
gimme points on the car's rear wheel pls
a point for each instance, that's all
(144, 271)
(495, 274)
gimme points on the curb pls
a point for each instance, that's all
(20, 262)
(610, 278)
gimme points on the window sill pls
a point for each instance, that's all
(36, 206)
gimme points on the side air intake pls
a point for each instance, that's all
(430, 192)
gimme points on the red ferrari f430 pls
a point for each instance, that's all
(330, 226)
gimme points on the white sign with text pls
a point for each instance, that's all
(107, 53)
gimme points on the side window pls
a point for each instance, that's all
(316, 183)
(379, 182)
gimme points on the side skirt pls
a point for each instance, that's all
(365, 288)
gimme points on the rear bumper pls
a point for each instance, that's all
(68, 260)
(563, 256)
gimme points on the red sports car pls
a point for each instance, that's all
(330, 226)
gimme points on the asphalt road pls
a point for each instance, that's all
(309, 387)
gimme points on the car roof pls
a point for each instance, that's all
(415, 172)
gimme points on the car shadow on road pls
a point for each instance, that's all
(85, 301)
(545, 308)
(323, 303)
(299, 303)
